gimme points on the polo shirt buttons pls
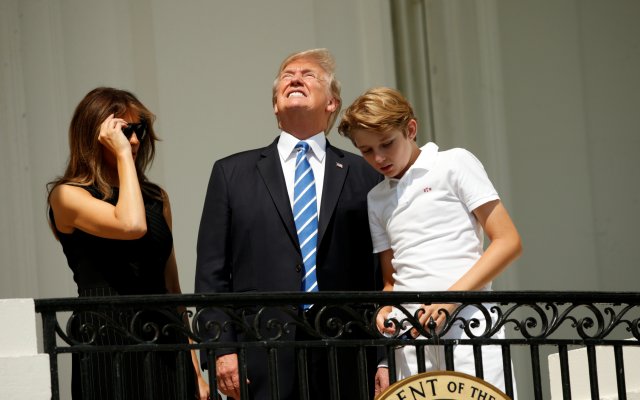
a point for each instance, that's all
(298, 268)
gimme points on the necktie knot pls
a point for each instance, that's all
(302, 147)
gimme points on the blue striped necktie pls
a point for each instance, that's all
(305, 213)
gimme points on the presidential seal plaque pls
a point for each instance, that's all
(442, 385)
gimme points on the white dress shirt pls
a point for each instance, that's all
(315, 155)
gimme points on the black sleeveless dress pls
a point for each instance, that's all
(108, 267)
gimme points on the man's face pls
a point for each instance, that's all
(302, 85)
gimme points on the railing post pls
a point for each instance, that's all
(535, 366)
(564, 372)
(619, 359)
(49, 347)
(593, 372)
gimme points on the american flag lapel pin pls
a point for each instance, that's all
(338, 165)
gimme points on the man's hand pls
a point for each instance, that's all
(228, 376)
(382, 380)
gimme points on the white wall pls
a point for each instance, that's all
(547, 94)
(572, 95)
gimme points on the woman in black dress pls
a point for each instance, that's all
(115, 230)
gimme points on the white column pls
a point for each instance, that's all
(606, 372)
(24, 374)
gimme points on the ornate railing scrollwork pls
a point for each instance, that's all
(335, 316)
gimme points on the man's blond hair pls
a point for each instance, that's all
(325, 60)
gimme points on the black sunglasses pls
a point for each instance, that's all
(140, 129)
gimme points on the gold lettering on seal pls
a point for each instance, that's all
(442, 385)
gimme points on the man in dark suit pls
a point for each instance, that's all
(248, 241)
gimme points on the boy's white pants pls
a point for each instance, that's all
(463, 360)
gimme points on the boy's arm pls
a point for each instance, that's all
(505, 247)
(387, 280)
(387, 269)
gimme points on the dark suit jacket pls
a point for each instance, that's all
(247, 239)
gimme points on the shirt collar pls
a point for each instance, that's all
(427, 157)
(425, 161)
(287, 144)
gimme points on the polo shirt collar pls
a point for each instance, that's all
(427, 157)
(425, 161)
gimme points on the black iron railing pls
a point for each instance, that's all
(532, 320)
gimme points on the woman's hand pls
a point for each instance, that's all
(203, 388)
(111, 136)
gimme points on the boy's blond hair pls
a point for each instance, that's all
(378, 109)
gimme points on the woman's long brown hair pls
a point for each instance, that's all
(85, 166)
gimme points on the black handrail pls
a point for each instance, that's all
(533, 319)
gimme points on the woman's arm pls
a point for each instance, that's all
(74, 207)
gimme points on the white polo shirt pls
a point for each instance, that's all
(426, 218)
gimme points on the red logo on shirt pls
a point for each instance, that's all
(427, 189)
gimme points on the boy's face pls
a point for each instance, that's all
(391, 153)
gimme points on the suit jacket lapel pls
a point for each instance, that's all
(270, 169)
(335, 173)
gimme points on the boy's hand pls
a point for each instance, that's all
(437, 312)
(380, 321)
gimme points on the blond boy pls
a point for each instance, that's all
(427, 220)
